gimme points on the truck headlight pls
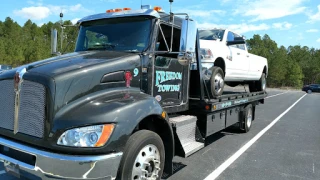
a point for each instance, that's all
(90, 136)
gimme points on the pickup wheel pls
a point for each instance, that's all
(260, 85)
(143, 157)
(246, 119)
(217, 81)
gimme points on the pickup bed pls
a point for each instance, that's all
(233, 63)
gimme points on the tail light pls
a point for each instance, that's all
(206, 53)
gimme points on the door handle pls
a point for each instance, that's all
(248, 56)
(238, 53)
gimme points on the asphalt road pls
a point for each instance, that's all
(277, 147)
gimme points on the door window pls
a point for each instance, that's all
(230, 36)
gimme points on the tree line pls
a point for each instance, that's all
(293, 66)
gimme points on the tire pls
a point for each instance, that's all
(309, 91)
(233, 84)
(216, 81)
(142, 147)
(246, 119)
(260, 85)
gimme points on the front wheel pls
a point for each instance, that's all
(309, 91)
(217, 81)
(143, 157)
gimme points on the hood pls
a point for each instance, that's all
(74, 61)
(212, 44)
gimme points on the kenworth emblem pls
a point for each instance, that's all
(17, 88)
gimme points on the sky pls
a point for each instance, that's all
(288, 22)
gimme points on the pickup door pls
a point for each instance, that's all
(256, 66)
(239, 65)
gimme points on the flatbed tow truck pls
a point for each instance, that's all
(130, 98)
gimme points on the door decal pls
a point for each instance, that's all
(162, 77)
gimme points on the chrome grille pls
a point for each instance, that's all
(32, 109)
(6, 104)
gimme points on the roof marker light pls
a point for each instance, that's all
(118, 10)
(110, 11)
(126, 9)
(157, 8)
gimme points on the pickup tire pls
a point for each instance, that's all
(217, 81)
(144, 155)
(259, 85)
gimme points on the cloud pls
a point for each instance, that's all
(75, 20)
(282, 26)
(318, 40)
(76, 7)
(300, 36)
(42, 12)
(202, 13)
(237, 28)
(109, 1)
(315, 17)
(271, 9)
(312, 30)
(34, 13)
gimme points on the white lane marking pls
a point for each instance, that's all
(275, 95)
(236, 155)
(2, 172)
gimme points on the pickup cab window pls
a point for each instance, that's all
(231, 37)
(211, 34)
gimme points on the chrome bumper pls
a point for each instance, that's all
(51, 165)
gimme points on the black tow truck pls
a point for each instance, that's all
(130, 98)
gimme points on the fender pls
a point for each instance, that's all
(124, 107)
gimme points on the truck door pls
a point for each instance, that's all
(170, 81)
(240, 63)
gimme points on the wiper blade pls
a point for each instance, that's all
(102, 46)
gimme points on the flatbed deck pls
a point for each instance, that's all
(227, 100)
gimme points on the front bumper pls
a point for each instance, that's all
(58, 166)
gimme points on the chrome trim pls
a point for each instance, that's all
(20, 72)
(139, 12)
(52, 165)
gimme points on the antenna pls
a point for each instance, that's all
(61, 23)
(171, 14)
(141, 4)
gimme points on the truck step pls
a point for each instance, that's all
(185, 128)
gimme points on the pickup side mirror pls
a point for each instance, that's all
(237, 40)
(187, 41)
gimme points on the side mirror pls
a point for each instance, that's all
(187, 41)
(237, 40)
(54, 41)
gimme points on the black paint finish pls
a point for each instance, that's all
(76, 97)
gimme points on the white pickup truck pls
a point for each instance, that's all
(232, 64)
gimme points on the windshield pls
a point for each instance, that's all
(119, 34)
(211, 34)
(5, 67)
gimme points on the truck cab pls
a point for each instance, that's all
(120, 107)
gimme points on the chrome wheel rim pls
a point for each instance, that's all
(249, 118)
(218, 83)
(147, 164)
(263, 83)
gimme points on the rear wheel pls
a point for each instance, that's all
(260, 85)
(246, 119)
(143, 157)
(217, 81)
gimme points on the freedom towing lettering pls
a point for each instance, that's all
(164, 76)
